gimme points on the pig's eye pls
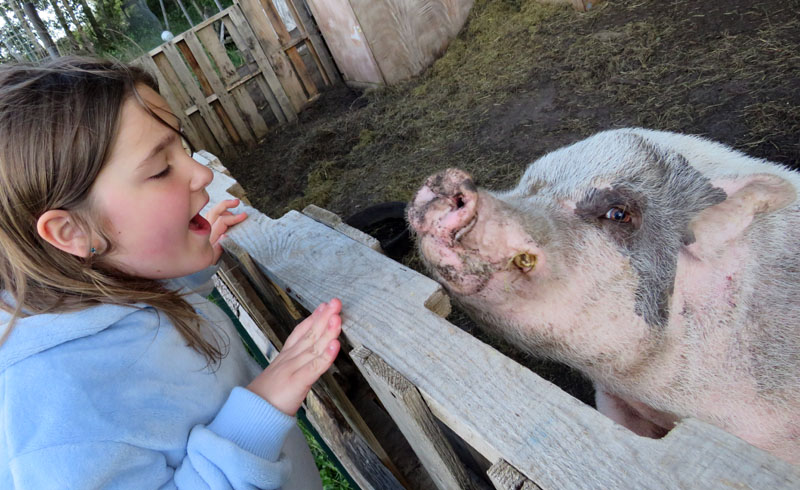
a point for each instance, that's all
(619, 215)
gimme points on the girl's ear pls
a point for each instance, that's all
(59, 229)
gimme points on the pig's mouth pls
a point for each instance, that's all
(459, 234)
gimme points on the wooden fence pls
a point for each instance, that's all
(408, 379)
(228, 94)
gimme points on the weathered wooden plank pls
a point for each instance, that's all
(216, 86)
(175, 85)
(497, 406)
(206, 88)
(404, 403)
(302, 71)
(359, 460)
(165, 89)
(271, 99)
(230, 77)
(273, 53)
(505, 477)
(406, 36)
(334, 221)
(285, 88)
(198, 98)
(347, 43)
(277, 23)
(318, 49)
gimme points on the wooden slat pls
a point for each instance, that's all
(273, 53)
(245, 39)
(218, 87)
(289, 47)
(206, 88)
(504, 477)
(302, 71)
(272, 100)
(230, 77)
(175, 85)
(198, 98)
(316, 46)
(500, 408)
(404, 403)
(205, 134)
(277, 22)
(165, 89)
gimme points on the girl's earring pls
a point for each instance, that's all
(93, 250)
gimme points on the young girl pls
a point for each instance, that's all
(115, 371)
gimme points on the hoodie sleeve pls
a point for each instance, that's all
(230, 452)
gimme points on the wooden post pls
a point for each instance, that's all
(407, 408)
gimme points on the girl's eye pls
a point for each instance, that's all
(163, 173)
(619, 215)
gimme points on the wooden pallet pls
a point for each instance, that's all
(442, 387)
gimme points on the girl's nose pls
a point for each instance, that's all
(201, 176)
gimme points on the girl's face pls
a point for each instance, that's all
(149, 194)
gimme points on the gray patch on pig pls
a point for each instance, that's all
(664, 194)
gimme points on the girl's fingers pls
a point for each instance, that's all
(316, 352)
(220, 208)
(221, 225)
(310, 329)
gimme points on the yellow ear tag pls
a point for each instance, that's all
(523, 261)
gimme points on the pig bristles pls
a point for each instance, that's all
(523, 261)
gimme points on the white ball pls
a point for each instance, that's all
(167, 36)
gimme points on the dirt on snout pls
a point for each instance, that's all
(525, 78)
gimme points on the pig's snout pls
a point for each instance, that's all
(445, 206)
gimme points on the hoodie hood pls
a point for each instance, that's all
(34, 334)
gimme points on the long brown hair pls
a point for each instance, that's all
(57, 124)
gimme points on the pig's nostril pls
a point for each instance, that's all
(459, 198)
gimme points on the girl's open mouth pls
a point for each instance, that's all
(198, 224)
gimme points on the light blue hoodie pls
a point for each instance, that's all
(112, 397)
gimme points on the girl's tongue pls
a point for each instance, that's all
(199, 224)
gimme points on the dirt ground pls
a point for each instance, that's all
(524, 78)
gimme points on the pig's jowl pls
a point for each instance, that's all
(665, 267)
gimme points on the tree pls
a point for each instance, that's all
(23, 22)
(41, 29)
(64, 24)
(86, 43)
(98, 32)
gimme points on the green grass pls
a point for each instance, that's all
(332, 478)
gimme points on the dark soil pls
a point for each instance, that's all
(523, 79)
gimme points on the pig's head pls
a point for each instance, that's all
(579, 261)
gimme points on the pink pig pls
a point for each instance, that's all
(665, 267)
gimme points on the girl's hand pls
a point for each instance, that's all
(221, 219)
(307, 354)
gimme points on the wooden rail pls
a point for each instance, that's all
(428, 374)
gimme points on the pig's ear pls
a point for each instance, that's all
(747, 197)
